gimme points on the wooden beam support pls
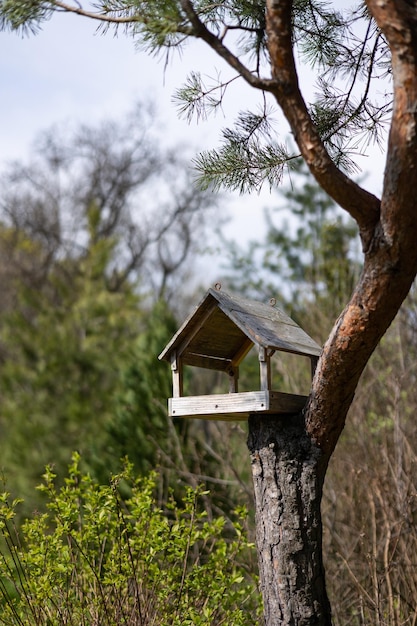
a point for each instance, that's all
(177, 376)
(233, 379)
(265, 369)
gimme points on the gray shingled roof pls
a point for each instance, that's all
(223, 328)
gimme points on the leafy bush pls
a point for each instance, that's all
(111, 555)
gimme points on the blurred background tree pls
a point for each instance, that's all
(96, 232)
(310, 245)
(96, 235)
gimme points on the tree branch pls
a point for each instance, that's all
(398, 22)
(102, 17)
(363, 206)
(202, 32)
(391, 262)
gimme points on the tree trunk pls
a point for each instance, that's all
(288, 473)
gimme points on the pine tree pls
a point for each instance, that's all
(348, 51)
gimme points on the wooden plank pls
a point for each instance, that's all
(219, 337)
(233, 379)
(190, 327)
(313, 361)
(177, 378)
(265, 369)
(267, 325)
(242, 352)
(225, 325)
(236, 405)
(207, 362)
(277, 335)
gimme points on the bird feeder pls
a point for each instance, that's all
(218, 335)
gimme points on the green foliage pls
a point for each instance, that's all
(313, 252)
(26, 15)
(82, 373)
(319, 28)
(138, 428)
(86, 278)
(318, 259)
(197, 99)
(160, 24)
(109, 554)
(66, 344)
(245, 160)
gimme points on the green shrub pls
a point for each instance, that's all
(109, 555)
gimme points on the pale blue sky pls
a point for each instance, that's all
(68, 73)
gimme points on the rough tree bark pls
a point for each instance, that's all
(288, 482)
(290, 457)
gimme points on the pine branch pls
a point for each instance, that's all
(344, 121)
(201, 31)
(318, 32)
(197, 100)
(24, 15)
(244, 162)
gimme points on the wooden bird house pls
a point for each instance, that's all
(218, 335)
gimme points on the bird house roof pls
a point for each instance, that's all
(223, 328)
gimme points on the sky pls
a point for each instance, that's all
(68, 74)
(68, 71)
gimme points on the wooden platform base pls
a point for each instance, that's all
(235, 406)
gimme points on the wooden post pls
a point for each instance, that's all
(177, 381)
(265, 369)
(233, 379)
